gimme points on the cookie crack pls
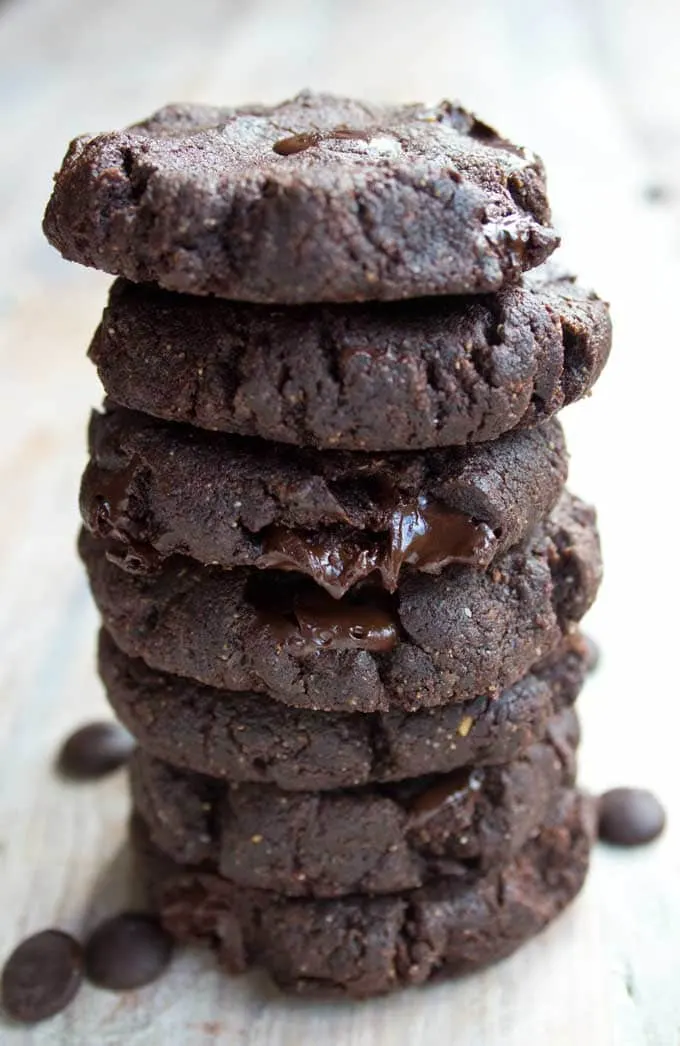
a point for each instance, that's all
(138, 177)
(437, 387)
(329, 351)
(415, 956)
(477, 388)
(577, 360)
(367, 225)
(382, 756)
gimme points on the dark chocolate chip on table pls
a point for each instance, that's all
(127, 951)
(95, 750)
(630, 817)
(41, 976)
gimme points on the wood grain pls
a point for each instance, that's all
(594, 86)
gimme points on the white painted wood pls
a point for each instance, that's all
(593, 86)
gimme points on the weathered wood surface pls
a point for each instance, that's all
(594, 86)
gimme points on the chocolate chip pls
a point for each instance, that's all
(630, 817)
(41, 976)
(95, 750)
(127, 951)
(296, 143)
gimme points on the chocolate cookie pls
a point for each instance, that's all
(316, 199)
(376, 839)
(366, 946)
(436, 640)
(159, 489)
(248, 737)
(442, 371)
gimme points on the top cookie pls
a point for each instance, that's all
(316, 199)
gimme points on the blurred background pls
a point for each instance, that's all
(594, 87)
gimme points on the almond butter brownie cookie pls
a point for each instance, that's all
(415, 374)
(376, 839)
(247, 737)
(362, 945)
(160, 489)
(437, 639)
(316, 199)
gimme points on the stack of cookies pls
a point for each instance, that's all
(326, 528)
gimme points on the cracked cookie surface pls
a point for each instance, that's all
(405, 376)
(248, 737)
(374, 840)
(160, 489)
(362, 946)
(316, 199)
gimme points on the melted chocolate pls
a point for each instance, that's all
(316, 622)
(110, 516)
(299, 143)
(112, 519)
(422, 535)
(431, 537)
(334, 562)
(455, 788)
(426, 536)
(334, 625)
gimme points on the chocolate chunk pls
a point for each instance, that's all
(445, 792)
(41, 976)
(298, 143)
(630, 817)
(94, 751)
(127, 951)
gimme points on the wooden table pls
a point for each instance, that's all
(594, 87)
